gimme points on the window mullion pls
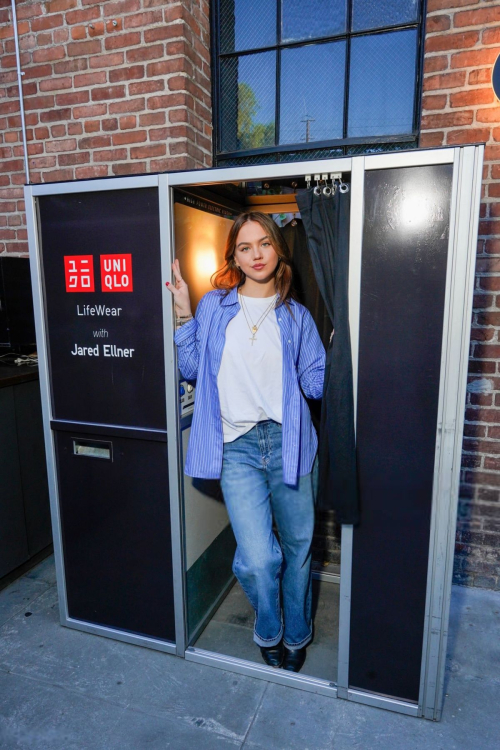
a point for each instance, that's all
(278, 48)
(417, 110)
(347, 67)
(216, 85)
(278, 74)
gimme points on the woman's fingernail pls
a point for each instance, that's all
(167, 283)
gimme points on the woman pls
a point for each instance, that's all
(252, 349)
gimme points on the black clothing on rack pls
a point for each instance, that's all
(326, 223)
(304, 278)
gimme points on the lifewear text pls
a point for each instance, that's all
(98, 310)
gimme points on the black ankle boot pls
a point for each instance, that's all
(273, 655)
(293, 660)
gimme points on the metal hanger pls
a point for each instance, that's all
(326, 189)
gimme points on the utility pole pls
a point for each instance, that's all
(308, 121)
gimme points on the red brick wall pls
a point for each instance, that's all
(110, 88)
(459, 106)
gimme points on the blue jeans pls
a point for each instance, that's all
(275, 577)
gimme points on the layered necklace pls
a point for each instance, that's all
(254, 327)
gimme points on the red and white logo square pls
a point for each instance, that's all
(79, 272)
(116, 273)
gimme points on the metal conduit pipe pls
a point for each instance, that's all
(20, 84)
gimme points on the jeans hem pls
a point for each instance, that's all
(296, 646)
(268, 642)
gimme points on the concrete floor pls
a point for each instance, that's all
(61, 689)
(230, 631)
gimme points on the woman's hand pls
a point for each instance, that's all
(180, 291)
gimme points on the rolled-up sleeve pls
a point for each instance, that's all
(311, 360)
(188, 339)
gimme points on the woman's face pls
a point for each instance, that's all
(254, 253)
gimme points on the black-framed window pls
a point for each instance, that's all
(292, 76)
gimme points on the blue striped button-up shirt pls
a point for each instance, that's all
(200, 344)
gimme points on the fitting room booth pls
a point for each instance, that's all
(143, 553)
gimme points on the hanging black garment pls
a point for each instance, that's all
(307, 292)
(304, 278)
(326, 221)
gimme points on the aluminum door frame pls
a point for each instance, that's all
(464, 214)
(464, 217)
(31, 193)
(460, 274)
(206, 177)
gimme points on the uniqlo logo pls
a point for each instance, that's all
(79, 271)
(116, 273)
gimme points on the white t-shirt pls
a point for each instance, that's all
(250, 376)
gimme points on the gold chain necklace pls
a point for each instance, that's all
(254, 327)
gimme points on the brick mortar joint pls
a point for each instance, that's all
(477, 501)
(453, 10)
(448, 109)
(467, 107)
(465, 68)
(472, 126)
(182, 20)
(454, 30)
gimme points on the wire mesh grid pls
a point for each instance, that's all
(313, 154)
(281, 81)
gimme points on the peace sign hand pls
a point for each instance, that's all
(180, 291)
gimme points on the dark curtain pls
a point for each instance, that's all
(307, 292)
(326, 223)
(304, 279)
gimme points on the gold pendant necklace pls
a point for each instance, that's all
(254, 327)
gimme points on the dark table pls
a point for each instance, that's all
(25, 529)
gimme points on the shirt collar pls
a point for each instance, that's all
(231, 297)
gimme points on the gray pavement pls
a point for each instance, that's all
(61, 689)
